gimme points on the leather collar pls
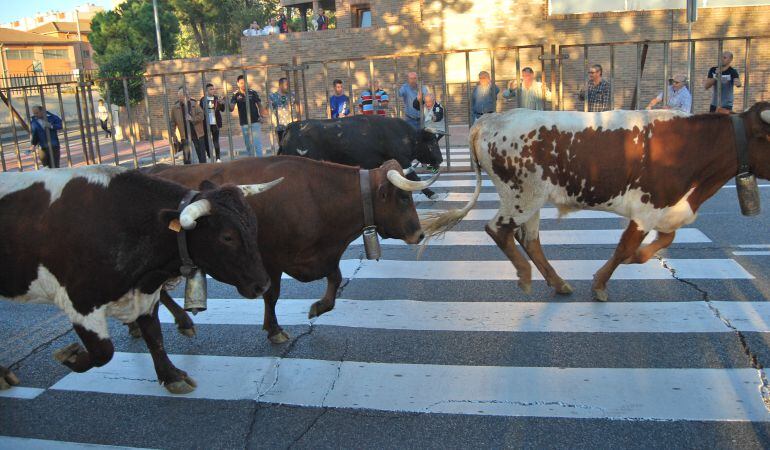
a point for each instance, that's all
(741, 144)
(366, 198)
(188, 266)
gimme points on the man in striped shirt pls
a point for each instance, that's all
(374, 104)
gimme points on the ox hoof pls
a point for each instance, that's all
(601, 295)
(68, 354)
(189, 332)
(279, 338)
(182, 386)
(134, 331)
(318, 308)
(525, 287)
(564, 288)
(7, 379)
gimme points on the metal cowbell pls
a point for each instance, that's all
(372, 243)
(748, 193)
(195, 292)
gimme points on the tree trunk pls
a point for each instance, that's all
(202, 47)
(205, 35)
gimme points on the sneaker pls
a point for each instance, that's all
(219, 160)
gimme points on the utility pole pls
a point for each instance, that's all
(157, 29)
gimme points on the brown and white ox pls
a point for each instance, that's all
(101, 241)
(655, 168)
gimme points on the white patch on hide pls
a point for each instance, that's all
(301, 152)
(55, 180)
(47, 289)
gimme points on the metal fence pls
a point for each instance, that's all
(144, 129)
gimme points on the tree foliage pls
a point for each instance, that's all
(130, 64)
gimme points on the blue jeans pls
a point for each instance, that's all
(254, 147)
(415, 123)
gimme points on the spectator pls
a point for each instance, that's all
(339, 103)
(679, 96)
(281, 102)
(408, 93)
(104, 118)
(374, 104)
(253, 30)
(270, 29)
(533, 93)
(432, 114)
(598, 90)
(186, 112)
(322, 20)
(43, 128)
(484, 97)
(729, 78)
(212, 106)
(255, 111)
(283, 23)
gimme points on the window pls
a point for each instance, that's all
(362, 16)
(55, 54)
(86, 54)
(592, 6)
(19, 54)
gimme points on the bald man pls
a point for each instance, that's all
(729, 78)
(408, 93)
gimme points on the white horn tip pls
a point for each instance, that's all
(765, 116)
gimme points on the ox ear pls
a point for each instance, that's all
(207, 185)
(170, 218)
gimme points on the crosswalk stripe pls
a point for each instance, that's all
(514, 317)
(460, 183)
(18, 443)
(545, 214)
(751, 253)
(717, 269)
(20, 392)
(630, 394)
(552, 237)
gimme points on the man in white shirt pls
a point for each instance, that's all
(270, 29)
(253, 30)
(679, 96)
(533, 93)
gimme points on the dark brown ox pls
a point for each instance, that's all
(98, 241)
(654, 167)
(308, 221)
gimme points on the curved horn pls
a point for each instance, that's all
(193, 212)
(411, 169)
(254, 189)
(765, 116)
(402, 183)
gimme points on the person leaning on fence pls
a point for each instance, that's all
(484, 97)
(597, 90)
(255, 110)
(281, 102)
(533, 93)
(253, 30)
(43, 125)
(104, 118)
(212, 106)
(339, 103)
(187, 112)
(374, 104)
(272, 28)
(408, 93)
(679, 97)
(322, 20)
(432, 115)
(283, 23)
(729, 78)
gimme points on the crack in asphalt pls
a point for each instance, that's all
(764, 386)
(285, 353)
(516, 403)
(15, 365)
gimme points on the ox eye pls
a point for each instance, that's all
(227, 238)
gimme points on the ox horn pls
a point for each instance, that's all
(402, 183)
(411, 169)
(193, 212)
(254, 189)
(765, 116)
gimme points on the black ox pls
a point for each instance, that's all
(365, 141)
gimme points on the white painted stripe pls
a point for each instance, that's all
(460, 197)
(18, 443)
(545, 214)
(751, 253)
(552, 237)
(513, 317)
(732, 186)
(459, 183)
(753, 246)
(635, 394)
(25, 393)
(573, 269)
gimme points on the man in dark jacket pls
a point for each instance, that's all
(44, 127)
(212, 107)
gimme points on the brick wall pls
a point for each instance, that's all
(435, 25)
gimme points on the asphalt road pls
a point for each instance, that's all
(437, 353)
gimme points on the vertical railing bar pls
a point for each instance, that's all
(326, 89)
(167, 118)
(81, 126)
(29, 117)
(747, 59)
(612, 76)
(64, 124)
(250, 150)
(638, 75)
(95, 126)
(518, 77)
(718, 74)
(51, 158)
(229, 115)
(112, 123)
(207, 120)
(587, 79)
(666, 50)
(446, 119)
(13, 129)
(468, 89)
(130, 122)
(149, 121)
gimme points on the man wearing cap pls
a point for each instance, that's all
(679, 96)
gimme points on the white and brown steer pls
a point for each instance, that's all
(654, 167)
(96, 242)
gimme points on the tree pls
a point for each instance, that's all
(128, 63)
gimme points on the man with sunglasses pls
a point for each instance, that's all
(679, 97)
(598, 90)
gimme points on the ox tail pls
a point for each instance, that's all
(436, 224)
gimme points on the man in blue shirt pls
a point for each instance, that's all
(43, 126)
(484, 97)
(339, 103)
(408, 93)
